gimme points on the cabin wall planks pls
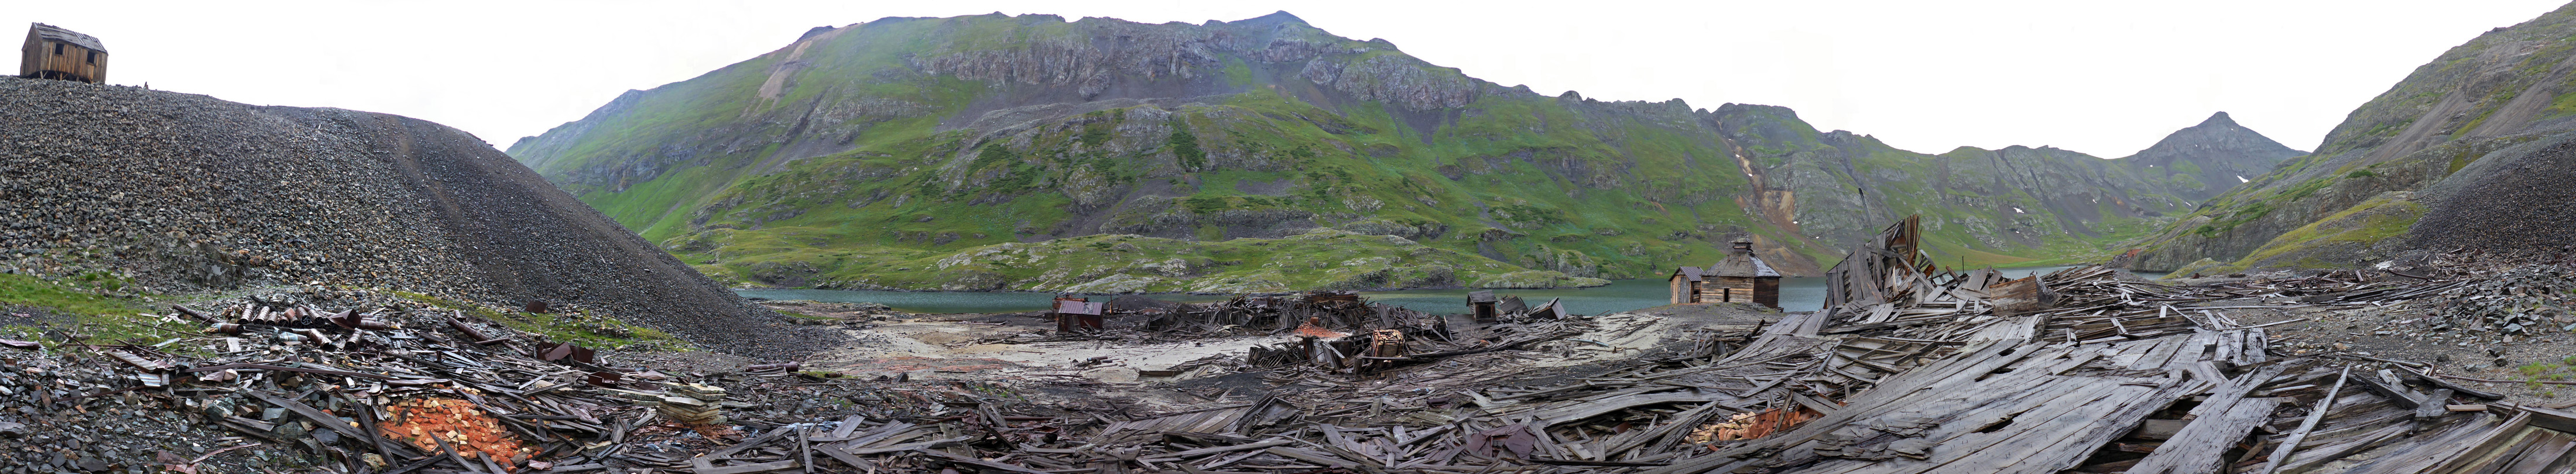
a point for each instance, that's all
(55, 53)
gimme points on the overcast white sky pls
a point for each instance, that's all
(2106, 78)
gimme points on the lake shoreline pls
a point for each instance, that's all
(1797, 294)
(739, 289)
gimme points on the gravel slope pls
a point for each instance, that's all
(2515, 201)
(181, 192)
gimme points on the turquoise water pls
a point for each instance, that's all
(1796, 294)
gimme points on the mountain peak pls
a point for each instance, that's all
(1281, 16)
(2217, 152)
(2219, 118)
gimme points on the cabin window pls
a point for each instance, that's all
(93, 58)
(58, 49)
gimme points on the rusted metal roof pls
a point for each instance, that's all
(57, 33)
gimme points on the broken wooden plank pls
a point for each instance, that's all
(2446, 383)
(2316, 413)
(1219, 449)
(2200, 446)
(2157, 430)
(1313, 457)
(908, 446)
(978, 462)
(2397, 394)
(2435, 405)
(749, 468)
(2217, 423)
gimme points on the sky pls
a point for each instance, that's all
(2105, 78)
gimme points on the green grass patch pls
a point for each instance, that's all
(76, 306)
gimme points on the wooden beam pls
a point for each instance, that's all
(2317, 413)
(2398, 394)
(749, 468)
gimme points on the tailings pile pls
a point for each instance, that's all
(160, 192)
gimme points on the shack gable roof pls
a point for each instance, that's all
(1485, 296)
(56, 33)
(1742, 265)
(1690, 274)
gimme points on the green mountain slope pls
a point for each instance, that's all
(2443, 138)
(979, 152)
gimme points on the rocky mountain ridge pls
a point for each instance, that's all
(2210, 158)
(864, 156)
(2453, 157)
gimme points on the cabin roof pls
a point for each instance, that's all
(56, 33)
(1485, 296)
(1690, 274)
(1742, 265)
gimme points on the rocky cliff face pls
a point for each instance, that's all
(176, 193)
(856, 154)
(2454, 137)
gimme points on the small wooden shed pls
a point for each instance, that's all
(1740, 277)
(55, 53)
(1687, 285)
(1481, 303)
(1074, 312)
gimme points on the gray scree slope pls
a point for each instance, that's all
(182, 192)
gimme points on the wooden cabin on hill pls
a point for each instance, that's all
(55, 53)
(1740, 277)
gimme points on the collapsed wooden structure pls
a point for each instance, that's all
(1912, 369)
(1338, 311)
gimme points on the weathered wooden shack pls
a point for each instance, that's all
(1481, 303)
(1740, 277)
(52, 52)
(1073, 312)
(1687, 284)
